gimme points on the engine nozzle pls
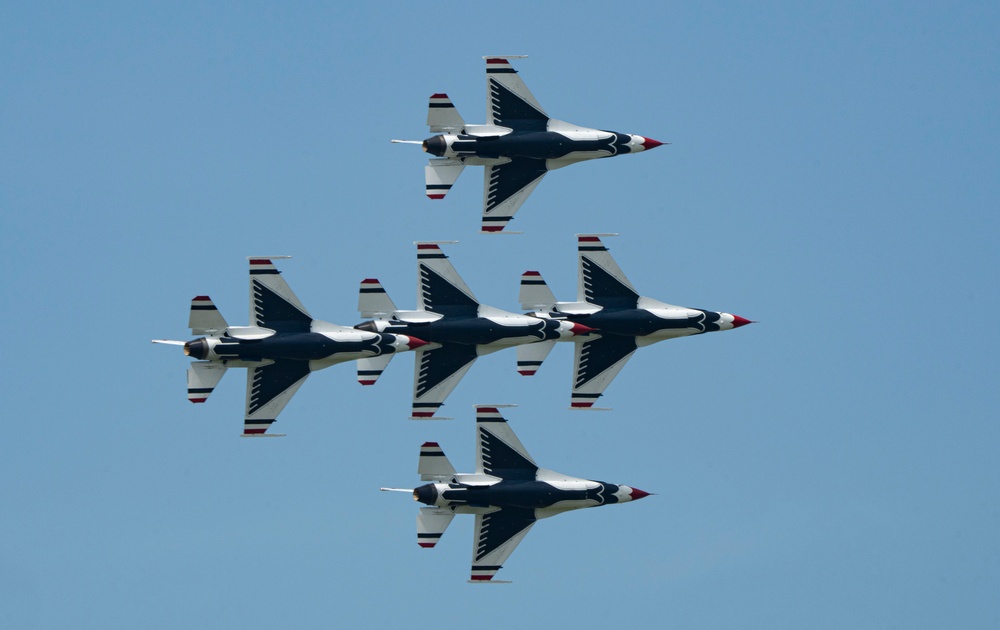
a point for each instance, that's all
(197, 349)
(435, 145)
(426, 494)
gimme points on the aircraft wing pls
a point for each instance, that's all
(509, 102)
(596, 363)
(496, 536)
(273, 305)
(437, 373)
(599, 278)
(269, 388)
(498, 451)
(505, 188)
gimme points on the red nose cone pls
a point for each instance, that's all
(637, 494)
(649, 143)
(740, 321)
(580, 329)
(415, 343)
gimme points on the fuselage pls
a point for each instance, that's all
(656, 323)
(566, 493)
(305, 346)
(500, 331)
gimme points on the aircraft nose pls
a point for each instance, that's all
(649, 143)
(637, 494)
(580, 329)
(413, 343)
(740, 321)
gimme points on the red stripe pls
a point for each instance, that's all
(370, 281)
(367, 382)
(439, 96)
(482, 577)
(434, 444)
(531, 273)
(197, 400)
(436, 196)
(427, 246)
(581, 404)
(497, 60)
(488, 410)
(492, 228)
(527, 372)
(202, 298)
(589, 239)
(422, 414)
(260, 261)
(426, 545)
(253, 431)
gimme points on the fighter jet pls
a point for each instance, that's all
(507, 493)
(458, 328)
(282, 345)
(626, 321)
(518, 145)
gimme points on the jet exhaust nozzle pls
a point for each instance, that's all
(435, 145)
(426, 494)
(197, 349)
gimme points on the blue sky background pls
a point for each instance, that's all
(833, 174)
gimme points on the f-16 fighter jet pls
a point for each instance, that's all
(626, 321)
(458, 328)
(518, 145)
(507, 493)
(282, 345)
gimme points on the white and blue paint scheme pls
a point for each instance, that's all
(457, 328)
(518, 145)
(508, 493)
(280, 348)
(624, 320)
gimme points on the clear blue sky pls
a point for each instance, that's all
(833, 174)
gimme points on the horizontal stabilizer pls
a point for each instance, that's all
(202, 378)
(442, 115)
(205, 318)
(535, 293)
(440, 175)
(531, 355)
(431, 524)
(434, 464)
(373, 301)
(370, 368)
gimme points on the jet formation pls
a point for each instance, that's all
(280, 348)
(457, 328)
(624, 320)
(508, 493)
(518, 144)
